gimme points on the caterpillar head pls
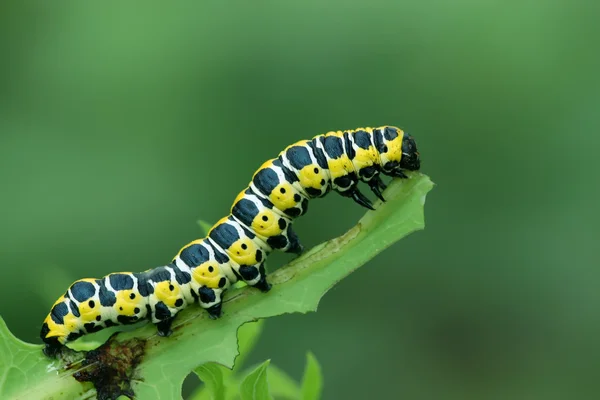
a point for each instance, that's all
(410, 156)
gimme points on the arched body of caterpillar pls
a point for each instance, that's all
(237, 246)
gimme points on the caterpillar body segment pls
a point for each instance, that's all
(238, 245)
(246, 251)
(280, 187)
(90, 305)
(266, 221)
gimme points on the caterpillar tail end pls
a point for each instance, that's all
(52, 345)
(52, 350)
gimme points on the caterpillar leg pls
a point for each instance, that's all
(164, 326)
(294, 247)
(287, 242)
(358, 197)
(211, 300)
(399, 174)
(255, 277)
(215, 311)
(262, 284)
(377, 185)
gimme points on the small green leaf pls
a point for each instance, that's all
(255, 385)
(247, 336)
(204, 226)
(312, 381)
(282, 385)
(298, 287)
(212, 376)
(25, 373)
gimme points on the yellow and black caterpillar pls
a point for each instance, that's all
(237, 246)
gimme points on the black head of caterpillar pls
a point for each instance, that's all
(237, 246)
(410, 156)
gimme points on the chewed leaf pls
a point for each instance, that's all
(215, 376)
(196, 339)
(248, 335)
(298, 287)
(28, 374)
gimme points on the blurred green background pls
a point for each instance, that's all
(121, 125)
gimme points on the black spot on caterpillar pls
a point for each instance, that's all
(236, 247)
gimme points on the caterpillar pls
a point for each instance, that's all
(237, 246)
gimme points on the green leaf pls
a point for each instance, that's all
(296, 288)
(282, 385)
(26, 373)
(212, 376)
(247, 337)
(197, 339)
(255, 385)
(312, 380)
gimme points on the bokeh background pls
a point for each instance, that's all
(121, 124)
